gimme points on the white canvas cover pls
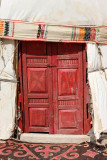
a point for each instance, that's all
(7, 89)
(62, 12)
(58, 20)
(76, 12)
(98, 83)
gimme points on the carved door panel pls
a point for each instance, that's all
(67, 88)
(37, 87)
(53, 87)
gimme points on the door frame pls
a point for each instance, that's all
(86, 97)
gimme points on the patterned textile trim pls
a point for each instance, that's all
(21, 30)
(1, 28)
(6, 28)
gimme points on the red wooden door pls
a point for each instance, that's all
(53, 87)
(37, 87)
(67, 88)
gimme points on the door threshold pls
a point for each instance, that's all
(53, 138)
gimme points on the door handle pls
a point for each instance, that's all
(50, 65)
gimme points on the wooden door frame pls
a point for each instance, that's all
(86, 99)
(87, 115)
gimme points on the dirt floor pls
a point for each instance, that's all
(16, 150)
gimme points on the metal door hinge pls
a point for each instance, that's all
(19, 114)
(18, 85)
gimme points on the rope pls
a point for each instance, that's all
(8, 80)
(96, 70)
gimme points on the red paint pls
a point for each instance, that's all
(67, 88)
(87, 115)
(20, 91)
(53, 87)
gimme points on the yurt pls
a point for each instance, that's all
(53, 67)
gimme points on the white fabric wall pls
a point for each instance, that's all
(85, 12)
(76, 12)
(7, 89)
(98, 85)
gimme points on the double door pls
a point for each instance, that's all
(53, 87)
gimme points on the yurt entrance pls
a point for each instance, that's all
(53, 87)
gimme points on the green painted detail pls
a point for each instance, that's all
(97, 29)
(72, 33)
